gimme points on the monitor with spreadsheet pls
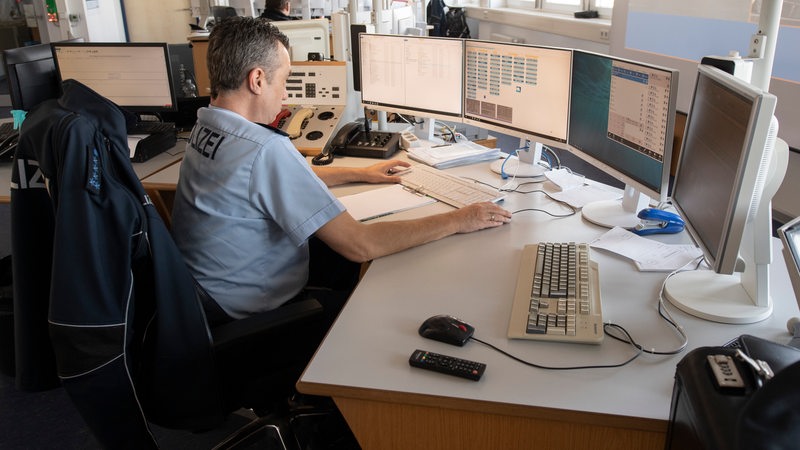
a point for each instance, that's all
(415, 75)
(519, 90)
(621, 120)
(135, 76)
(728, 171)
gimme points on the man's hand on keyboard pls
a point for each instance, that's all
(385, 171)
(478, 216)
(382, 172)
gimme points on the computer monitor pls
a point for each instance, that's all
(519, 90)
(306, 37)
(730, 166)
(789, 234)
(135, 76)
(31, 74)
(622, 120)
(415, 75)
(403, 19)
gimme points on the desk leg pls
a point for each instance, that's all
(385, 425)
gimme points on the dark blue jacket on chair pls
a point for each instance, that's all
(127, 328)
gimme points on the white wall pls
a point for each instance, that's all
(158, 20)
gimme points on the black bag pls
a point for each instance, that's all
(760, 414)
(456, 20)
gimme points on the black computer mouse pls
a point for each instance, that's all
(445, 328)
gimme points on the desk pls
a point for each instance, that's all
(143, 169)
(363, 361)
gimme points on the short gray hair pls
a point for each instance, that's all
(238, 45)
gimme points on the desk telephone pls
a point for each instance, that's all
(351, 140)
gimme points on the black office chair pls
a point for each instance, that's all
(126, 318)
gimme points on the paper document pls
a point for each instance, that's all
(578, 197)
(452, 155)
(133, 141)
(382, 202)
(649, 255)
(564, 179)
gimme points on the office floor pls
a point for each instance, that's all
(45, 420)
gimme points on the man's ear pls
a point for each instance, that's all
(257, 80)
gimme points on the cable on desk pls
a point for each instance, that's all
(573, 211)
(606, 326)
(665, 314)
(557, 216)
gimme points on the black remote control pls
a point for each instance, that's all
(447, 364)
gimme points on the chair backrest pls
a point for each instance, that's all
(122, 305)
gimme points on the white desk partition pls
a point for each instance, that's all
(472, 276)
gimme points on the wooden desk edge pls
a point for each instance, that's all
(485, 407)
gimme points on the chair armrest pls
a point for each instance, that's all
(263, 325)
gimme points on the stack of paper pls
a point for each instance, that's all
(451, 155)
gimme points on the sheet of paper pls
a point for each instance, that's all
(382, 202)
(565, 179)
(133, 140)
(577, 197)
(648, 255)
(449, 155)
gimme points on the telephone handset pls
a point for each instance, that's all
(336, 144)
(354, 140)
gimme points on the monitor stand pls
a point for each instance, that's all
(425, 130)
(617, 213)
(525, 164)
(741, 297)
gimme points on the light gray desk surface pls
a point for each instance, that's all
(143, 169)
(363, 362)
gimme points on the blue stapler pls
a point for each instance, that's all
(657, 221)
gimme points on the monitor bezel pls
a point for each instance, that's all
(658, 194)
(133, 108)
(791, 253)
(405, 109)
(508, 129)
(312, 27)
(15, 59)
(746, 185)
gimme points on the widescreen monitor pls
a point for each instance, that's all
(622, 120)
(135, 76)
(730, 166)
(519, 90)
(415, 75)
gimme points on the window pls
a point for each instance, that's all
(603, 7)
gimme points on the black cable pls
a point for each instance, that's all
(323, 158)
(598, 366)
(573, 211)
(557, 216)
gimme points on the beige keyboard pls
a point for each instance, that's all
(557, 297)
(447, 188)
